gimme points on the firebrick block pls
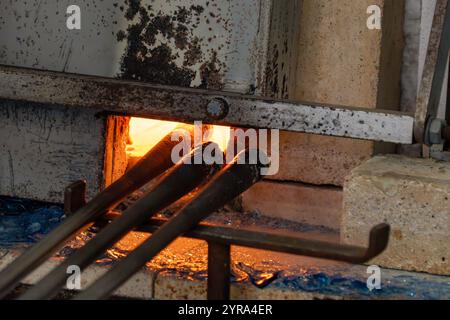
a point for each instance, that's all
(323, 51)
(413, 196)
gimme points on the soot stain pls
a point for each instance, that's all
(273, 73)
(150, 59)
(277, 73)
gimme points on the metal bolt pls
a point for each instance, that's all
(217, 109)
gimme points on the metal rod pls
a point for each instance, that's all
(378, 241)
(233, 180)
(188, 105)
(177, 182)
(219, 264)
(431, 86)
(155, 162)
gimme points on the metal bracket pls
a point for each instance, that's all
(378, 241)
(433, 132)
(188, 105)
(221, 238)
(219, 271)
(74, 197)
(434, 71)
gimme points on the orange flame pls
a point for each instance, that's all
(146, 133)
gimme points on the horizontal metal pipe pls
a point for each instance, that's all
(177, 182)
(155, 162)
(233, 180)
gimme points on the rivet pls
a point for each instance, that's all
(217, 109)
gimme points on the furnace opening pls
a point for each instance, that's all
(144, 134)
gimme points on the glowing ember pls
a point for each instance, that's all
(146, 133)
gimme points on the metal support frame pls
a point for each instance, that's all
(434, 70)
(220, 239)
(219, 271)
(429, 130)
(378, 241)
(189, 105)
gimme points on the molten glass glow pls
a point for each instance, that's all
(146, 133)
(221, 136)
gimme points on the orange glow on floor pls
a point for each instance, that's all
(146, 133)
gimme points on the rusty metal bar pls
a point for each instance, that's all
(434, 71)
(229, 183)
(378, 241)
(177, 182)
(219, 241)
(219, 271)
(154, 163)
(189, 105)
(221, 238)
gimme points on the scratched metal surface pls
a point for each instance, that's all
(43, 149)
(203, 44)
(209, 43)
(188, 105)
(194, 43)
(435, 68)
